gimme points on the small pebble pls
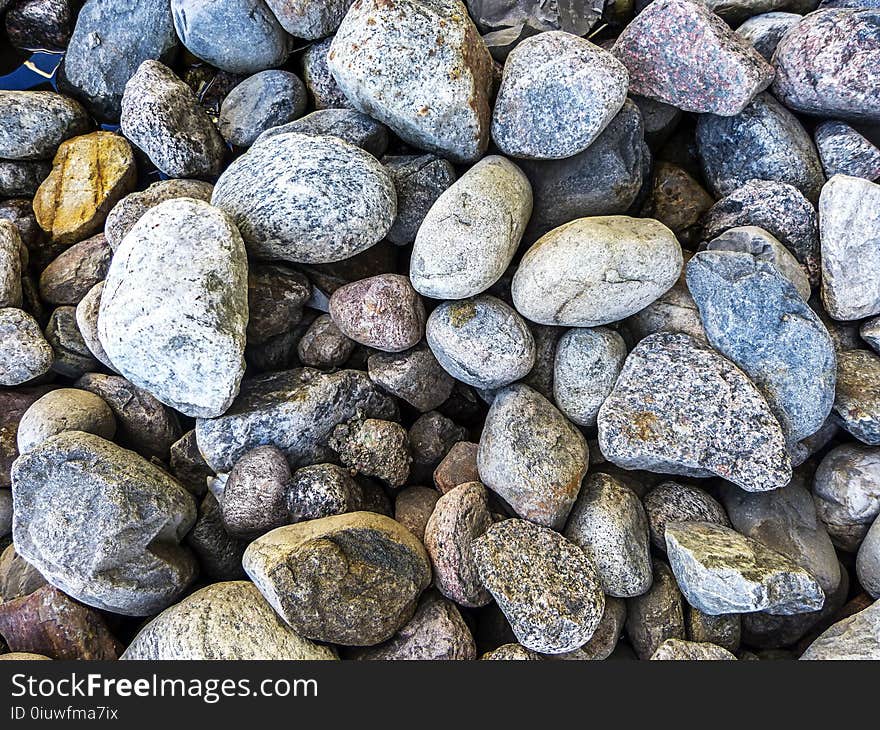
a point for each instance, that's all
(260, 102)
(322, 490)
(374, 448)
(459, 466)
(254, 497)
(323, 345)
(323, 89)
(674, 502)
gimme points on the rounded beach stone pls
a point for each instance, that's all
(22, 177)
(585, 369)
(310, 20)
(323, 345)
(24, 352)
(413, 507)
(349, 125)
(609, 524)
(322, 490)
(656, 615)
(350, 205)
(764, 31)
(375, 448)
(11, 262)
(595, 271)
(855, 637)
(844, 151)
(319, 81)
(35, 123)
(481, 341)
(254, 497)
(383, 312)
(510, 653)
(679, 52)
(419, 67)
(470, 234)
(74, 495)
(546, 586)
(459, 466)
(86, 315)
(414, 376)
(223, 621)
(829, 64)
(764, 141)
(239, 36)
(868, 561)
(678, 650)
(186, 347)
(531, 456)
(674, 502)
(72, 355)
(558, 92)
(65, 409)
(419, 180)
(350, 579)
(459, 517)
(70, 276)
(260, 102)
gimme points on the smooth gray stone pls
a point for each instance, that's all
(764, 31)
(414, 376)
(312, 19)
(846, 152)
(72, 356)
(260, 102)
(22, 177)
(35, 123)
(86, 316)
(254, 495)
(868, 561)
(674, 502)
(64, 409)
(24, 352)
(419, 180)
(855, 637)
(349, 125)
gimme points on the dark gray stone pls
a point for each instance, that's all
(260, 102)
(349, 125)
(22, 177)
(276, 297)
(414, 376)
(674, 502)
(310, 20)
(764, 31)
(254, 496)
(219, 554)
(73, 357)
(419, 181)
(323, 345)
(70, 276)
(322, 490)
(43, 24)
(35, 123)
(843, 150)
(656, 615)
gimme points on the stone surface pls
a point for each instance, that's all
(323, 345)
(677, 200)
(309, 20)
(855, 637)
(37, 122)
(419, 181)
(844, 151)
(680, 408)
(857, 401)
(413, 507)
(322, 490)
(349, 125)
(764, 31)
(40, 23)
(674, 311)
(375, 448)
(187, 260)
(75, 495)
(260, 102)
(351, 579)
(546, 586)
(868, 561)
(276, 296)
(459, 466)
(511, 652)
(86, 316)
(656, 615)
(64, 409)
(254, 496)
(22, 177)
(678, 650)
(72, 356)
(674, 502)
(414, 375)
(323, 89)
(531, 456)
(70, 276)
(724, 630)
(6, 510)
(605, 637)
(597, 270)
(24, 352)
(10, 265)
(431, 437)
(470, 234)
(219, 554)
(17, 576)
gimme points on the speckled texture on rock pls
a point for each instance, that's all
(22, 177)
(868, 561)
(64, 409)
(40, 23)
(414, 376)
(511, 653)
(656, 615)
(311, 19)
(855, 637)
(35, 123)
(260, 102)
(322, 490)
(375, 448)
(24, 352)
(323, 345)
(322, 87)
(678, 650)
(459, 466)
(724, 630)
(349, 125)
(844, 151)
(413, 507)
(419, 180)
(674, 502)
(10, 265)
(219, 555)
(857, 401)
(86, 316)
(764, 31)
(254, 496)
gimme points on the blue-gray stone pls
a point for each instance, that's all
(844, 151)
(765, 31)
(260, 102)
(347, 124)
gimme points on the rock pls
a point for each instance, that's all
(849, 212)
(323, 345)
(349, 207)
(552, 118)
(74, 495)
(40, 23)
(677, 200)
(219, 554)
(37, 122)
(459, 466)
(239, 36)
(595, 271)
(414, 376)
(511, 652)
(254, 497)
(844, 151)
(322, 490)
(511, 21)
(161, 115)
(431, 437)
(6, 511)
(375, 448)
(419, 181)
(351, 579)
(10, 265)
(754, 316)
(22, 177)
(383, 312)
(108, 45)
(470, 234)
(586, 367)
(869, 331)
(312, 20)
(413, 507)
(24, 352)
(827, 65)
(434, 92)
(323, 89)
(857, 401)
(531, 456)
(546, 586)
(660, 119)
(678, 650)
(260, 102)
(674, 311)
(72, 274)
(680, 53)
(656, 615)
(64, 409)
(724, 630)
(349, 125)
(226, 621)
(129, 210)
(609, 524)
(846, 490)
(605, 638)
(674, 502)
(20, 213)
(604, 179)
(868, 561)
(764, 141)
(276, 297)
(680, 408)
(86, 316)
(720, 571)
(17, 576)
(294, 410)
(89, 175)
(459, 518)
(855, 637)
(186, 348)
(765, 31)
(72, 356)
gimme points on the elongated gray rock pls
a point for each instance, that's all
(224, 621)
(846, 152)
(421, 68)
(470, 234)
(595, 271)
(260, 102)
(720, 571)
(855, 637)
(857, 401)
(419, 180)
(11, 249)
(656, 615)
(531, 456)
(35, 123)
(24, 352)
(103, 524)
(868, 561)
(680, 408)
(294, 410)
(307, 199)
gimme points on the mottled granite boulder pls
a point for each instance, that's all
(764, 31)
(37, 122)
(349, 125)
(322, 490)
(24, 352)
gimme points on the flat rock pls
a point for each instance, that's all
(64, 409)
(70, 276)
(855, 637)
(678, 650)
(414, 376)
(674, 502)
(37, 122)
(844, 151)
(24, 352)
(857, 401)
(419, 181)
(260, 102)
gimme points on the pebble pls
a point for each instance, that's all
(349, 125)
(254, 497)
(677, 200)
(260, 102)
(470, 234)
(219, 555)
(239, 36)
(674, 311)
(74, 494)
(323, 89)
(857, 401)
(324, 345)
(276, 297)
(161, 116)
(321, 490)
(609, 524)
(724, 630)
(86, 317)
(223, 621)
(419, 181)
(64, 409)
(855, 637)
(481, 341)
(70, 276)
(414, 376)
(311, 20)
(675, 502)
(509, 653)
(375, 448)
(22, 177)
(431, 437)
(532, 456)
(422, 69)
(764, 31)
(604, 640)
(72, 356)
(5, 512)
(656, 615)
(678, 650)
(868, 561)
(413, 507)
(351, 579)
(459, 466)
(586, 365)
(37, 122)
(721, 571)
(680, 53)
(24, 352)
(10, 265)
(844, 151)
(349, 206)
(680, 408)
(541, 115)
(188, 261)
(40, 23)
(595, 271)
(546, 586)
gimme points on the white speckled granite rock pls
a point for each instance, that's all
(309, 19)
(24, 352)
(35, 123)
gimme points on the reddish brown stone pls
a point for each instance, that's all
(459, 466)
